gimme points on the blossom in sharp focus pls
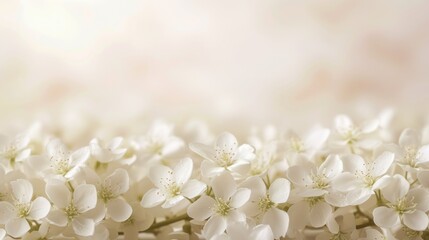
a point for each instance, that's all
(226, 155)
(18, 215)
(360, 177)
(410, 154)
(263, 204)
(70, 208)
(403, 205)
(172, 185)
(221, 209)
(58, 160)
(110, 191)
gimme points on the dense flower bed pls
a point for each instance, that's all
(353, 181)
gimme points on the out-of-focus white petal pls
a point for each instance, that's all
(299, 214)
(83, 226)
(152, 198)
(279, 190)
(385, 217)
(317, 138)
(7, 212)
(224, 186)
(183, 171)
(85, 197)
(210, 169)
(118, 209)
(202, 208)
(23, 155)
(79, 156)
(59, 194)
(245, 153)
(423, 177)
(240, 197)
(370, 126)
(57, 217)
(417, 220)
(160, 175)
(204, 151)
(22, 190)
(39, 208)
(193, 188)
(118, 181)
(382, 163)
(215, 225)
(319, 214)
(409, 138)
(17, 227)
(226, 141)
(422, 155)
(278, 220)
(343, 123)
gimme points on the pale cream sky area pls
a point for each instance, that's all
(235, 62)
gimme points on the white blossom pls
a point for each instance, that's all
(225, 155)
(222, 209)
(17, 215)
(172, 185)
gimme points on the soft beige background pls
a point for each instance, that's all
(232, 63)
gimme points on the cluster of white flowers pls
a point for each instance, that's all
(366, 181)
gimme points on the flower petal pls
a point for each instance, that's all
(224, 186)
(22, 190)
(319, 214)
(59, 194)
(79, 156)
(57, 217)
(423, 155)
(240, 197)
(420, 196)
(40, 208)
(118, 182)
(226, 141)
(279, 190)
(385, 217)
(160, 175)
(261, 231)
(83, 226)
(17, 227)
(152, 198)
(278, 220)
(409, 138)
(245, 153)
(353, 163)
(382, 163)
(214, 226)
(201, 209)
(203, 150)
(170, 202)
(210, 169)
(299, 175)
(183, 170)
(345, 182)
(331, 167)
(85, 197)
(396, 189)
(416, 220)
(119, 210)
(193, 188)
(7, 211)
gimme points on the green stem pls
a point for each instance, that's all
(167, 222)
